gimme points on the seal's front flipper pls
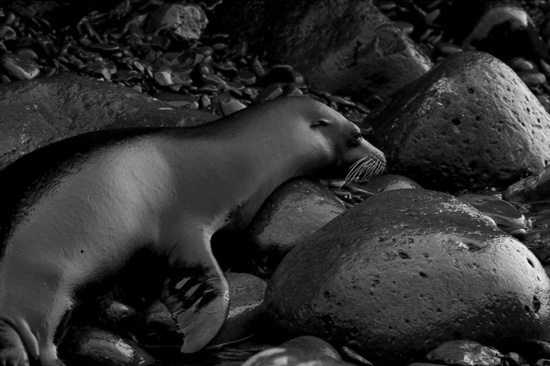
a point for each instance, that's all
(198, 298)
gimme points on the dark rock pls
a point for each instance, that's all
(466, 353)
(292, 213)
(246, 293)
(505, 30)
(390, 182)
(367, 56)
(533, 350)
(89, 346)
(406, 270)
(186, 20)
(20, 68)
(506, 216)
(39, 112)
(533, 188)
(468, 123)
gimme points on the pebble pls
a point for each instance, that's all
(521, 64)
(230, 106)
(270, 92)
(21, 68)
(466, 353)
(533, 79)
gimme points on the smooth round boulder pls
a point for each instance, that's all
(468, 123)
(405, 271)
(293, 212)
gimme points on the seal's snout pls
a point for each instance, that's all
(372, 163)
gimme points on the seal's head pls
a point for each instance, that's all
(336, 140)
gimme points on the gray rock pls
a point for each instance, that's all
(292, 213)
(39, 112)
(92, 346)
(313, 344)
(468, 123)
(186, 20)
(369, 55)
(465, 353)
(405, 271)
(533, 188)
(291, 357)
(246, 292)
(390, 182)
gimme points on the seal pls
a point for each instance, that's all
(74, 212)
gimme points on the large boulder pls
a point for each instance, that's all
(405, 271)
(340, 46)
(470, 122)
(39, 112)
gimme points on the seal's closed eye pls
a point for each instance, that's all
(320, 122)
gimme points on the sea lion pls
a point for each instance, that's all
(75, 211)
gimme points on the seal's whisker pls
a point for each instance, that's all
(363, 168)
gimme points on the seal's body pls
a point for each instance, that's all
(74, 212)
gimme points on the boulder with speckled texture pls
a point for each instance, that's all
(405, 271)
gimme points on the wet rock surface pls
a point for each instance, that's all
(43, 111)
(470, 122)
(405, 271)
(367, 57)
(293, 212)
(122, 57)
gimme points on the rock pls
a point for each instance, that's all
(246, 293)
(466, 353)
(313, 344)
(505, 30)
(390, 182)
(370, 55)
(533, 188)
(186, 20)
(292, 213)
(470, 122)
(39, 112)
(506, 216)
(95, 347)
(20, 68)
(406, 270)
(291, 357)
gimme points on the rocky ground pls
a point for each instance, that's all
(209, 67)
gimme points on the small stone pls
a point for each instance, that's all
(21, 68)
(27, 53)
(314, 344)
(447, 48)
(107, 47)
(406, 27)
(257, 68)
(533, 79)
(506, 216)
(93, 346)
(247, 77)
(187, 21)
(521, 64)
(466, 353)
(205, 50)
(271, 92)
(7, 33)
(230, 106)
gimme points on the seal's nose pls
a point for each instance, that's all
(365, 132)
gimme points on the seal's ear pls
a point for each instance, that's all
(320, 122)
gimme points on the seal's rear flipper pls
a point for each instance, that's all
(198, 297)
